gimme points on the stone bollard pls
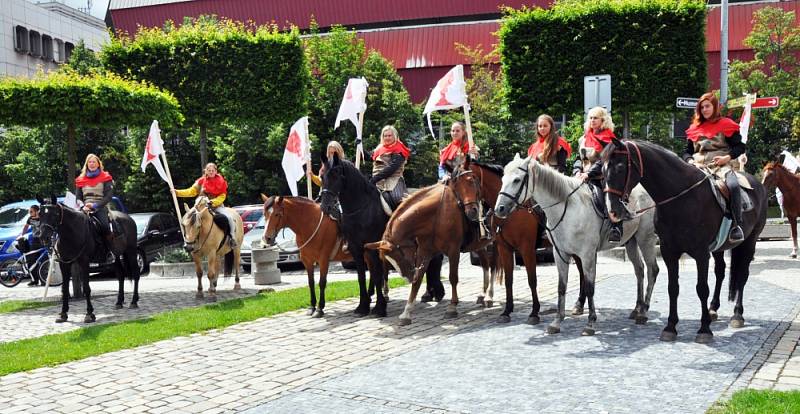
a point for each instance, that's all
(265, 265)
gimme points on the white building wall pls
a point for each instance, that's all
(45, 22)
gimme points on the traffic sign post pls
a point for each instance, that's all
(596, 92)
(686, 103)
(767, 102)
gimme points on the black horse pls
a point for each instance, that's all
(687, 221)
(80, 243)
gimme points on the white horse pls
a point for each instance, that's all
(576, 229)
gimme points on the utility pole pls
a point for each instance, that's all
(723, 53)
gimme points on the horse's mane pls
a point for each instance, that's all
(606, 154)
(553, 182)
(497, 169)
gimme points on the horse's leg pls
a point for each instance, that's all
(793, 227)
(648, 250)
(237, 258)
(487, 297)
(364, 299)
(324, 264)
(741, 256)
(578, 308)
(529, 258)
(66, 275)
(563, 275)
(309, 265)
(434, 289)
(119, 270)
(719, 272)
(376, 272)
(213, 269)
(133, 271)
(405, 317)
(198, 270)
(590, 269)
(632, 249)
(670, 333)
(704, 334)
(452, 308)
(505, 262)
(84, 275)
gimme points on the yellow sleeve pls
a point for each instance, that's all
(192, 191)
(218, 200)
(316, 180)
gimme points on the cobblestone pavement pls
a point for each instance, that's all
(290, 363)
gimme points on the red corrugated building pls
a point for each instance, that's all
(418, 36)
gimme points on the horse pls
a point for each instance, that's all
(362, 221)
(318, 239)
(576, 228)
(79, 243)
(776, 175)
(204, 238)
(689, 221)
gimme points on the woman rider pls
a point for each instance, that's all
(213, 185)
(95, 187)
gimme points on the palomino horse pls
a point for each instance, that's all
(317, 236)
(78, 244)
(204, 238)
(775, 174)
(429, 222)
(689, 220)
(576, 229)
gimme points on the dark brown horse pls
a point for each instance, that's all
(317, 237)
(776, 175)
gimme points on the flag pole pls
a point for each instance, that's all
(309, 173)
(359, 132)
(469, 126)
(172, 187)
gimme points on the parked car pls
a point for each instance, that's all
(155, 233)
(288, 252)
(250, 215)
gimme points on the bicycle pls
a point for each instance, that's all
(14, 271)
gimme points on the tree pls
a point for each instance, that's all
(68, 99)
(220, 71)
(774, 71)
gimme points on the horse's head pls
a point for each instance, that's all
(517, 186)
(334, 181)
(273, 216)
(402, 257)
(769, 174)
(193, 221)
(622, 169)
(467, 188)
(51, 215)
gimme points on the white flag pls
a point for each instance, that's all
(450, 93)
(152, 149)
(744, 123)
(354, 102)
(296, 153)
(790, 162)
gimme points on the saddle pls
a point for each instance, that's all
(222, 222)
(598, 201)
(723, 194)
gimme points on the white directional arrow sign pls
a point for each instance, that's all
(686, 103)
(767, 102)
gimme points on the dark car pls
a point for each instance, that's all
(156, 232)
(250, 215)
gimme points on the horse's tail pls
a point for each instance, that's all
(228, 263)
(496, 265)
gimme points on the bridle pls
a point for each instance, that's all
(198, 223)
(625, 193)
(54, 238)
(280, 225)
(475, 184)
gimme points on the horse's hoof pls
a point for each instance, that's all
(134, 305)
(553, 329)
(587, 331)
(426, 298)
(668, 336)
(89, 318)
(118, 306)
(488, 304)
(379, 312)
(503, 319)
(480, 301)
(311, 311)
(704, 338)
(361, 312)
(451, 314)
(61, 318)
(533, 320)
(793, 255)
(576, 311)
(737, 323)
(713, 314)
(404, 321)
(237, 287)
(318, 314)
(641, 320)
(634, 314)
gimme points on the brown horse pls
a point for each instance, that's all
(204, 238)
(775, 174)
(317, 236)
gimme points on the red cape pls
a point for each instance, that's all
(710, 129)
(213, 186)
(537, 147)
(83, 181)
(451, 151)
(594, 139)
(397, 148)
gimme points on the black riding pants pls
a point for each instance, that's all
(736, 197)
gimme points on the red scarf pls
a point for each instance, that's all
(213, 186)
(453, 150)
(84, 181)
(396, 148)
(710, 129)
(537, 147)
(595, 139)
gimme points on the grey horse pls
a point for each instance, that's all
(577, 229)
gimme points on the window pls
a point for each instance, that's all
(20, 39)
(47, 48)
(68, 50)
(35, 43)
(59, 51)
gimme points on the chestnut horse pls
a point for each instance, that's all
(775, 174)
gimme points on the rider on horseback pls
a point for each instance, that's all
(213, 185)
(456, 150)
(713, 144)
(549, 148)
(95, 187)
(599, 132)
(334, 147)
(388, 163)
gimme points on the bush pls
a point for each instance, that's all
(176, 255)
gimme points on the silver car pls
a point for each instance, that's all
(288, 252)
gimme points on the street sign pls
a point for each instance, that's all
(767, 102)
(596, 92)
(736, 102)
(686, 103)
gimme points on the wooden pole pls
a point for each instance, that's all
(469, 127)
(172, 187)
(359, 132)
(309, 173)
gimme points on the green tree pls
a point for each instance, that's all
(774, 71)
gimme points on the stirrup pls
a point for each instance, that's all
(736, 234)
(615, 236)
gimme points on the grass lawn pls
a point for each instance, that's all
(28, 354)
(21, 305)
(760, 401)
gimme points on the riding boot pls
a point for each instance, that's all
(615, 235)
(736, 233)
